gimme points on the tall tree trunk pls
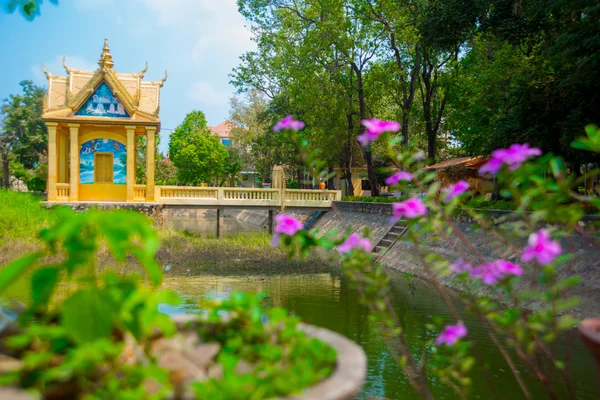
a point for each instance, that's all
(348, 157)
(368, 157)
(5, 169)
(432, 113)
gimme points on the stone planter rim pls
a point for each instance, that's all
(346, 379)
(589, 330)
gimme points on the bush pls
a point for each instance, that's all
(377, 199)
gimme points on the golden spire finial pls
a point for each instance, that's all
(106, 57)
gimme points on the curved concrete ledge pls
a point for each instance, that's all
(345, 381)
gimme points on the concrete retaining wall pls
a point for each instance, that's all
(404, 256)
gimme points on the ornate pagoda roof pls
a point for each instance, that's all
(139, 99)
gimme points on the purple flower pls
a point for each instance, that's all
(411, 208)
(541, 247)
(514, 156)
(491, 273)
(455, 190)
(460, 266)
(376, 127)
(451, 334)
(355, 241)
(491, 167)
(288, 123)
(286, 225)
(488, 273)
(508, 268)
(399, 176)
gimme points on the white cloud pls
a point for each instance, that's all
(55, 67)
(219, 27)
(205, 93)
(235, 40)
(171, 11)
(90, 4)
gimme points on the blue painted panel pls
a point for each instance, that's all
(103, 103)
(86, 160)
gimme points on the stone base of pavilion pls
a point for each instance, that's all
(79, 206)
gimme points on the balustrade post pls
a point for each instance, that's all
(270, 222)
(218, 223)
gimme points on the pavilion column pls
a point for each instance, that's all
(63, 155)
(130, 162)
(52, 160)
(74, 151)
(150, 151)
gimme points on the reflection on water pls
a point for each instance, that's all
(206, 224)
(327, 300)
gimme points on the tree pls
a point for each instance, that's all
(232, 173)
(23, 135)
(28, 8)
(6, 141)
(196, 153)
(165, 172)
(247, 115)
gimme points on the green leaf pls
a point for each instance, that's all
(558, 167)
(89, 315)
(14, 270)
(43, 282)
(566, 322)
(149, 264)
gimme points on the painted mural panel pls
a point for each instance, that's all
(103, 103)
(86, 157)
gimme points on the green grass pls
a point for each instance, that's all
(22, 216)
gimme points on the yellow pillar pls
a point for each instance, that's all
(52, 158)
(150, 151)
(74, 150)
(62, 157)
(130, 161)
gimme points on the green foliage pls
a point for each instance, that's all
(371, 199)
(23, 130)
(73, 343)
(19, 171)
(28, 8)
(542, 196)
(165, 172)
(263, 339)
(22, 216)
(196, 153)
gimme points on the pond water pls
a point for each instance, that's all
(327, 300)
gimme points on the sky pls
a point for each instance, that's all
(197, 41)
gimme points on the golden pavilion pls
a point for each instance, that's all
(94, 120)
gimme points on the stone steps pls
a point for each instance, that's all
(390, 238)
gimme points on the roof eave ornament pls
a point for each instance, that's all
(143, 72)
(67, 68)
(46, 72)
(105, 57)
(163, 80)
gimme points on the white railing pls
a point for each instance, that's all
(186, 195)
(190, 195)
(63, 191)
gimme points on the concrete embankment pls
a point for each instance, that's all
(468, 243)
